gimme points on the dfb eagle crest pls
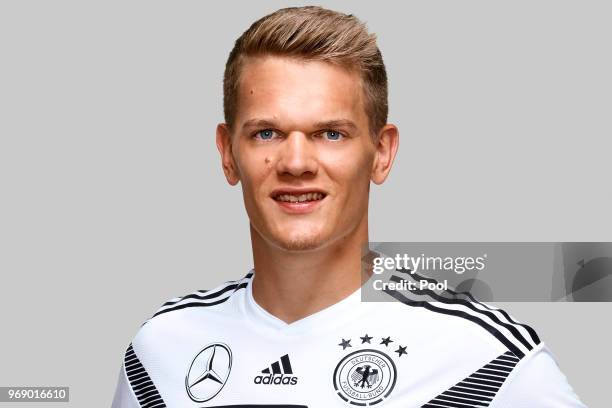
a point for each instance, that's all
(365, 376)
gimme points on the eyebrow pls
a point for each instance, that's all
(321, 124)
(336, 123)
(258, 123)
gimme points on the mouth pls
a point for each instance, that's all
(298, 201)
(299, 198)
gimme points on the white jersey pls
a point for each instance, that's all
(219, 348)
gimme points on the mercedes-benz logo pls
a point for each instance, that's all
(208, 372)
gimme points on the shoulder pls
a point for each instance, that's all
(166, 330)
(469, 320)
(184, 314)
(534, 381)
(537, 381)
(202, 299)
(514, 367)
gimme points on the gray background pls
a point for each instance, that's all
(113, 200)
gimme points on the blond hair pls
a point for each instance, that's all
(313, 33)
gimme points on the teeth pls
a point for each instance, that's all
(301, 198)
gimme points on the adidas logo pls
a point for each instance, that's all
(279, 373)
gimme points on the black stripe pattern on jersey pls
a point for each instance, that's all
(479, 389)
(489, 318)
(205, 298)
(459, 313)
(141, 383)
(468, 295)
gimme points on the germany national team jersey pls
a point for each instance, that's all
(219, 348)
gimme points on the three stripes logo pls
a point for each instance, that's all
(279, 373)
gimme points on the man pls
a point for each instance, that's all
(305, 132)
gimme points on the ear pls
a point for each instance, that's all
(224, 145)
(387, 144)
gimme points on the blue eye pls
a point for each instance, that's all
(333, 135)
(265, 134)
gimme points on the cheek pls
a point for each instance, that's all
(354, 167)
(352, 178)
(254, 172)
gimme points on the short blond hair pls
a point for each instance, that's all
(313, 33)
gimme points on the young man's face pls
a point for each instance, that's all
(301, 132)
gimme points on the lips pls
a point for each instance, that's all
(290, 198)
(298, 201)
(298, 195)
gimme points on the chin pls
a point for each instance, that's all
(301, 242)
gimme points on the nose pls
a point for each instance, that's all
(297, 155)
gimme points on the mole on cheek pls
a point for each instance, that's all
(267, 161)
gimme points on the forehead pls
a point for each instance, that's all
(298, 92)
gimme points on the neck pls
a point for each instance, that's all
(294, 284)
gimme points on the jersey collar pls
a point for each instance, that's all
(348, 309)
